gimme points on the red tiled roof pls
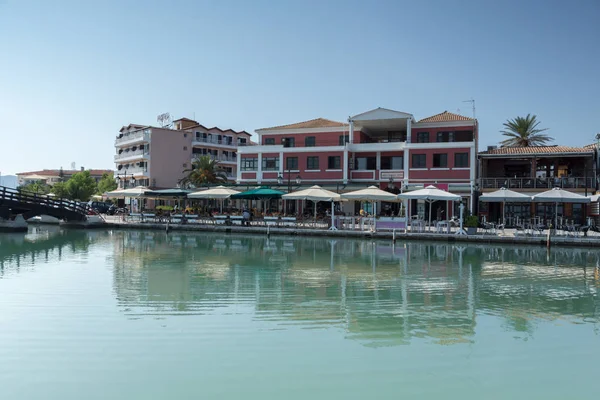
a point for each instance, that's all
(446, 117)
(56, 172)
(536, 150)
(313, 123)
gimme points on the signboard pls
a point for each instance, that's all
(395, 175)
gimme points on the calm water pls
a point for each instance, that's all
(143, 315)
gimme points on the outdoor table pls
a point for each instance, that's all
(419, 224)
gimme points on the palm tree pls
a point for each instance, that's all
(203, 171)
(523, 132)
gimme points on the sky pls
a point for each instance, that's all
(72, 73)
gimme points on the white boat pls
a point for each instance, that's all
(44, 219)
(15, 225)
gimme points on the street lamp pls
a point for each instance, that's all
(289, 182)
(123, 178)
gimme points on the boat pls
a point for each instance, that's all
(43, 219)
(18, 224)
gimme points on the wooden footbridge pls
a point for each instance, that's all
(14, 202)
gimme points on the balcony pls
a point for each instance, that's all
(538, 183)
(215, 141)
(220, 157)
(142, 135)
(131, 155)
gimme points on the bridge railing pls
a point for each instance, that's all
(18, 196)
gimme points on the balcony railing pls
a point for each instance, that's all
(127, 154)
(126, 137)
(133, 170)
(215, 141)
(220, 157)
(538, 183)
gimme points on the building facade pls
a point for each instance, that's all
(382, 147)
(157, 157)
(52, 176)
(535, 169)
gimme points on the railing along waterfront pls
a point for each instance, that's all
(538, 183)
(14, 196)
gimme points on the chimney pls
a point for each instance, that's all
(82, 169)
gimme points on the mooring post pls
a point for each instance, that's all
(548, 237)
(167, 227)
(394, 236)
(268, 232)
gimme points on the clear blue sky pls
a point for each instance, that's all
(73, 72)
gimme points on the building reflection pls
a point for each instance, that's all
(380, 294)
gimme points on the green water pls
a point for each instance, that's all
(143, 315)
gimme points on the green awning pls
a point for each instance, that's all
(167, 193)
(261, 193)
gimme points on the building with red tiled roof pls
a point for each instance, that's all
(533, 170)
(52, 176)
(446, 117)
(157, 157)
(381, 147)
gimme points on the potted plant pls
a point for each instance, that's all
(471, 224)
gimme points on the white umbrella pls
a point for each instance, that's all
(131, 192)
(372, 193)
(557, 195)
(315, 194)
(504, 195)
(430, 194)
(219, 193)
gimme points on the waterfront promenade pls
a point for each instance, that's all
(507, 236)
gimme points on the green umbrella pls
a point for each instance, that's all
(260, 193)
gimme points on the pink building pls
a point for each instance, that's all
(156, 157)
(380, 147)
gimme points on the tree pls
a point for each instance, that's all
(81, 186)
(204, 170)
(37, 187)
(524, 132)
(60, 190)
(106, 183)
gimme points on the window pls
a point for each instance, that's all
(184, 148)
(419, 161)
(445, 136)
(291, 163)
(288, 142)
(396, 162)
(312, 162)
(423, 137)
(270, 164)
(365, 163)
(343, 140)
(333, 162)
(185, 135)
(184, 165)
(249, 164)
(241, 141)
(440, 160)
(309, 141)
(269, 141)
(461, 160)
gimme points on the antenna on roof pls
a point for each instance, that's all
(472, 101)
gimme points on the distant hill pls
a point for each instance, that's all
(8, 181)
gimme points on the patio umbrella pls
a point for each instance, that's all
(131, 192)
(315, 194)
(259, 193)
(430, 194)
(218, 193)
(558, 195)
(372, 193)
(505, 196)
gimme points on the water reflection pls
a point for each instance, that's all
(375, 292)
